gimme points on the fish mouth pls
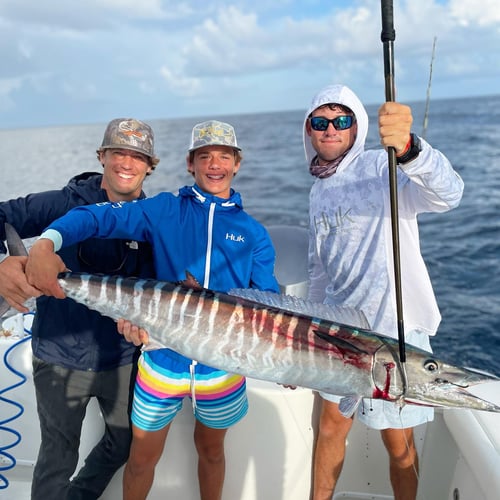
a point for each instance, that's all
(480, 395)
(449, 382)
(436, 383)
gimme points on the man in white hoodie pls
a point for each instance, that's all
(351, 261)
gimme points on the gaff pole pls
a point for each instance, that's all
(388, 36)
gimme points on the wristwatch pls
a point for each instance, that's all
(413, 151)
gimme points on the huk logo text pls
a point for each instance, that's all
(238, 239)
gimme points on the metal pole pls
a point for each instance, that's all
(388, 36)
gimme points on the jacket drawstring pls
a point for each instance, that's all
(192, 388)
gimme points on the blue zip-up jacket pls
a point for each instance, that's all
(213, 238)
(64, 332)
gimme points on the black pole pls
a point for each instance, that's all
(388, 36)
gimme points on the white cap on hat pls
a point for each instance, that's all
(213, 133)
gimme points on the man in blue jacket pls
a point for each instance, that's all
(77, 353)
(205, 231)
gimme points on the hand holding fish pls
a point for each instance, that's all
(14, 287)
(42, 268)
(394, 121)
(132, 333)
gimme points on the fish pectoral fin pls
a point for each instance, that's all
(341, 343)
(348, 405)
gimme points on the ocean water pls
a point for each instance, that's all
(461, 247)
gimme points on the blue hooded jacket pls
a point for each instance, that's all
(213, 238)
(64, 332)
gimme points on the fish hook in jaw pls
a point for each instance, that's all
(386, 364)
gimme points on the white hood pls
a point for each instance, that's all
(339, 94)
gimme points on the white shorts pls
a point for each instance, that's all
(380, 414)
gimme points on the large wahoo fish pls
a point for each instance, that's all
(277, 338)
(280, 339)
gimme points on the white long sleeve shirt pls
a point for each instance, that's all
(350, 248)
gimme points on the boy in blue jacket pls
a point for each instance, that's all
(204, 230)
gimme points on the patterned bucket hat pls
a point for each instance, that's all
(128, 133)
(213, 133)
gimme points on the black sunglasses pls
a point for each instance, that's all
(339, 123)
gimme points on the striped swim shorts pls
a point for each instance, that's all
(165, 378)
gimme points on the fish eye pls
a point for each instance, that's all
(430, 365)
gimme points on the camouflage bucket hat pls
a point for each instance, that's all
(128, 133)
(213, 133)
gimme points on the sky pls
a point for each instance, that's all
(74, 62)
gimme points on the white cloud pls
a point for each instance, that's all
(89, 14)
(79, 91)
(476, 12)
(7, 86)
(243, 55)
(228, 43)
(179, 84)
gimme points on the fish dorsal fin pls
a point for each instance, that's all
(190, 282)
(339, 314)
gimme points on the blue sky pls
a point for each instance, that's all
(72, 62)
